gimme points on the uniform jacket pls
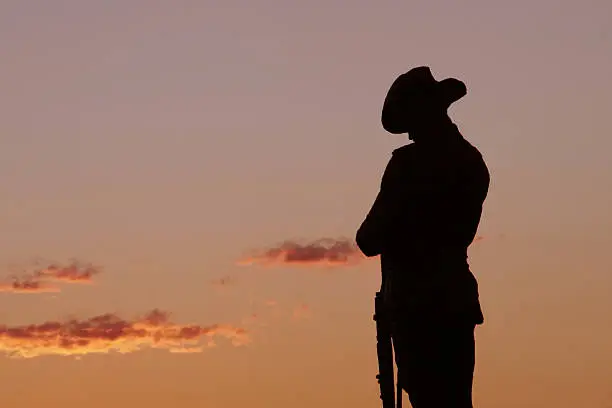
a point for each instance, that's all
(422, 222)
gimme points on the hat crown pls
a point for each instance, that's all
(417, 79)
(411, 89)
(421, 74)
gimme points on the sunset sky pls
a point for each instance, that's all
(159, 159)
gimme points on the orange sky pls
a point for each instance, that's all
(150, 148)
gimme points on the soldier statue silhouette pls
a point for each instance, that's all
(421, 224)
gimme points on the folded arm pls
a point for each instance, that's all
(375, 230)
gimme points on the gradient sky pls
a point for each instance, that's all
(160, 140)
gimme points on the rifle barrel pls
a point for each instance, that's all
(384, 349)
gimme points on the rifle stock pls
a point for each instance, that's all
(384, 349)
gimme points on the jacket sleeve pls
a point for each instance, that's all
(374, 230)
(462, 209)
(475, 192)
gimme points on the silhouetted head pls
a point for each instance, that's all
(417, 103)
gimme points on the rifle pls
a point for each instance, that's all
(384, 349)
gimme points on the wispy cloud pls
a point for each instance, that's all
(27, 286)
(110, 333)
(44, 280)
(324, 252)
(72, 273)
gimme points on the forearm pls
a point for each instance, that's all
(371, 233)
(385, 226)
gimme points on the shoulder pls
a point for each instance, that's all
(403, 150)
(397, 164)
(403, 154)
